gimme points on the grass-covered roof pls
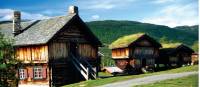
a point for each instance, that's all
(125, 41)
(171, 45)
(172, 48)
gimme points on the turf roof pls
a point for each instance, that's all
(125, 41)
(171, 45)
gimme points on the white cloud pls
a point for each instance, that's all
(95, 17)
(53, 12)
(103, 4)
(175, 15)
(162, 1)
(7, 14)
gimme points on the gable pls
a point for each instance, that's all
(70, 33)
(77, 31)
(144, 43)
(145, 40)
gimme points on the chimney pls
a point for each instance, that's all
(73, 10)
(16, 22)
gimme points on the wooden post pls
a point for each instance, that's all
(87, 73)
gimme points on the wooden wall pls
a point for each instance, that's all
(71, 33)
(194, 59)
(32, 53)
(87, 50)
(142, 52)
(120, 53)
(58, 50)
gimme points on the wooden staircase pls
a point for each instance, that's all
(84, 68)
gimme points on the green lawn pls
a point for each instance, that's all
(97, 82)
(189, 81)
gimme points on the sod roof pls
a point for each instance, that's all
(125, 41)
(171, 45)
(172, 48)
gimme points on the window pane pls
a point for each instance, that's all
(38, 72)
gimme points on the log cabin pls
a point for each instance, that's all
(195, 58)
(174, 55)
(54, 52)
(133, 52)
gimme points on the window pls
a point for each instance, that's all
(22, 73)
(37, 72)
(150, 61)
(143, 51)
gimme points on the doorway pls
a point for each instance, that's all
(143, 62)
(73, 48)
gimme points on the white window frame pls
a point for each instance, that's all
(22, 74)
(37, 72)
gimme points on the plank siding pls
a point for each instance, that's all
(87, 50)
(32, 54)
(58, 50)
(120, 53)
(72, 33)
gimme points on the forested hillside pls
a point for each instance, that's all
(109, 30)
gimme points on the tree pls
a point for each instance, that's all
(7, 63)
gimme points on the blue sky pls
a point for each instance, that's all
(163, 12)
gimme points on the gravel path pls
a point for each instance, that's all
(148, 79)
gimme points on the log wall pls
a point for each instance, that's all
(32, 54)
(87, 50)
(58, 50)
(120, 53)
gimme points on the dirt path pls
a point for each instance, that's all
(148, 79)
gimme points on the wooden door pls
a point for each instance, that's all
(74, 48)
(143, 62)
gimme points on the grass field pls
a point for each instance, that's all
(189, 81)
(97, 82)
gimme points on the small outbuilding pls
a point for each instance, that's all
(136, 51)
(174, 54)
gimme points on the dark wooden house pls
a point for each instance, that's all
(135, 51)
(174, 54)
(55, 51)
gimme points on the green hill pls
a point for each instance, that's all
(109, 30)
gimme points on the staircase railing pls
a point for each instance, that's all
(92, 72)
(86, 70)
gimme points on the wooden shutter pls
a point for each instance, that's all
(44, 72)
(26, 73)
(30, 72)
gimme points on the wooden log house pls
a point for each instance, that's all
(195, 58)
(136, 51)
(55, 51)
(174, 55)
